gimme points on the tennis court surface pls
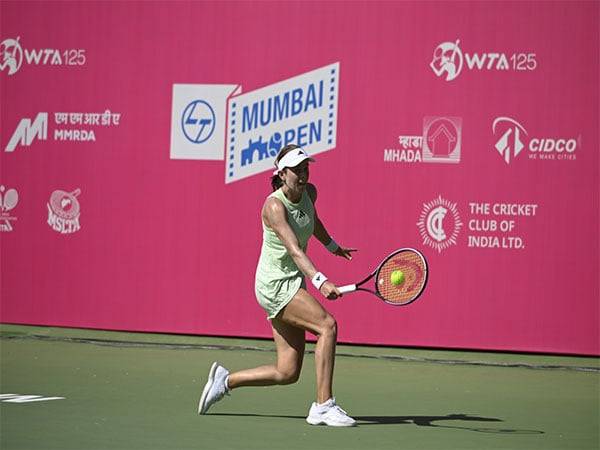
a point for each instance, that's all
(140, 391)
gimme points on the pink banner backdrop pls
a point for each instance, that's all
(135, 161)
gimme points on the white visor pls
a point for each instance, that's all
(292, 159)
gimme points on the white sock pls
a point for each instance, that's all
(322, 405)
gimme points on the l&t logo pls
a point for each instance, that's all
(198, 121)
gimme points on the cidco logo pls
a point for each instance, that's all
(198, 121)
(513, 139)
(510, 144)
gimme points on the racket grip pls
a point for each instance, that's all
(347, 288)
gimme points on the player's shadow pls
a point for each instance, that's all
(421, 421)
(428, 421)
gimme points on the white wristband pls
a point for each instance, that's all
(332, 246)
(318, 280)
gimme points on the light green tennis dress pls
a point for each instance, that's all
(277, 276)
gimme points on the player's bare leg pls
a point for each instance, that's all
(308, 314)
(289, 342)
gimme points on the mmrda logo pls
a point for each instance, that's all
(434, 216)
(27, 131)
(510, 143)
(449, 59)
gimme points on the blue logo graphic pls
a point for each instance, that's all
(198, 121)
(274, 145)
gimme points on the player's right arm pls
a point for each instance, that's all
(274, 215)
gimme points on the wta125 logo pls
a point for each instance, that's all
(512, 138)
(13, 55)
(449, 61)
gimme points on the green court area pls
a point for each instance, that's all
(140, 391)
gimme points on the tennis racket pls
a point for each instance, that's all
(401, 288)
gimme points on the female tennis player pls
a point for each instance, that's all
(289, 219)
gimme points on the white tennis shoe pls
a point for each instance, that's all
(215, 388)
(329, 413)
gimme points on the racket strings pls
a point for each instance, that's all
(414, 268)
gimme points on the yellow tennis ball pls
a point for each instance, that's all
(397, 277)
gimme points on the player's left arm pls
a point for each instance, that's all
(321, 232)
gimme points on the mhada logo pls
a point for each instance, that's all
(439, 143)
